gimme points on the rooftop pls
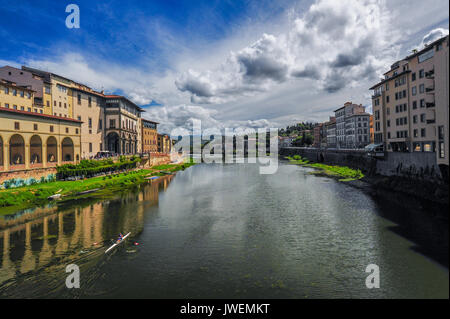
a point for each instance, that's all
(46, 116)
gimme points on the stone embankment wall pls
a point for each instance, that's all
(419, 165)
(36, 173)
(159, 159)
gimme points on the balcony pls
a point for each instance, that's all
(429, 74)
(431, 121)
(430, 90)
(375, 95)
(430, 104)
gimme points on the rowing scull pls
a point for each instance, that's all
(116, 244)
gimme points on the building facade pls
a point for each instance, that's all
(149, 137)
(344, 123)
(330, 127)
(164, 143)
(88, 108)
(122, 125)
(33, 140)
(357, 130)
(410, 104)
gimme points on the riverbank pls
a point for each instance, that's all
(342, 173)
(420, 192)
(12, 200)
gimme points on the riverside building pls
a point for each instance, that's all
(410, 105)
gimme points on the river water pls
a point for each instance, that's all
(225, 231)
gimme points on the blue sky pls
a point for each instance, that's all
(228, 63)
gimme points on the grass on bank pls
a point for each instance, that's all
(36, 195)
(343, 173)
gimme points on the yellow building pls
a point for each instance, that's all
(149, 137)
(31, 140)
(164, 143)
(16, 97)
(57, 93)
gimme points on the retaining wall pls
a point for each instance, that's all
(421, 165)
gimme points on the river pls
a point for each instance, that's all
(225, 231)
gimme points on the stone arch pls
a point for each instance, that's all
(35, 150)
(16, 150)
(67, 150)
(52, 150)
(112, 142)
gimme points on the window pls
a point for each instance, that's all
(389, 134)
(414, 105)
(15, 107)
(48, 103)
(422, 103)
(51, 128)
(35, 127)
(79, 98)
(65, 105)
(388, 123)
(415, 119)
(16, 125)
(90, 122)
(416, 133)
(79, 118)
(387, 99)
(6, 90)
(413, 76)
(14, 91)
(422, 88)
(414, 90)
(7, 105)
(425, 56)
(422, 132)
(100, 124)
(89, 101)
(441, 150)
(29, 109)
(441, 132)
(67, 130)
(90, 147)
(22, 108)
(47, 90)
(76, 131)
(112, 123)
(21, 94)
(422, 118)
(54, 103)
(421, 74)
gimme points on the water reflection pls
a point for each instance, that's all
(67, 235)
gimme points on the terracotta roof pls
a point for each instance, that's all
(2, 109)
(113, 96)
(145, 120)
(15, 85)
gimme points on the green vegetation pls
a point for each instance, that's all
(35, 195)
(297, 129)
(343, 173)
(91, 168)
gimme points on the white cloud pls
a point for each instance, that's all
(335, 44)
(433, 35)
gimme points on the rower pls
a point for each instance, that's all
(120, 238)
